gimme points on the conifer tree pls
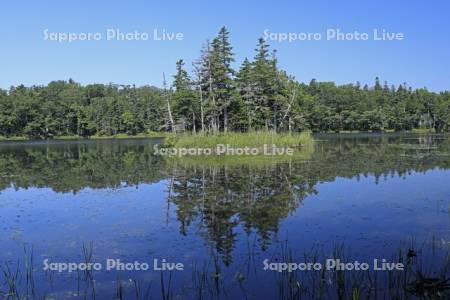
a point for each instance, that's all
(186, 102)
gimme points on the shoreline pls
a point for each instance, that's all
(170, 134)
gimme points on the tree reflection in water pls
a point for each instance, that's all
(215, 198)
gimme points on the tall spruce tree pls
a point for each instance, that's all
(246, 87)
(186, 104)
(222, 73)
(206, 82)
(265, 76)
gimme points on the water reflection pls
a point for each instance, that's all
(213, 208)
(72, 166)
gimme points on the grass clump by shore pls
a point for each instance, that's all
(423, 130)
(239, 139)
(266, 147)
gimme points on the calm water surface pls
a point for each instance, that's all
(368, 194)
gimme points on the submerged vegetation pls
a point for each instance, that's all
(217, 97)
(208, 279)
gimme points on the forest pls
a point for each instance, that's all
(215, 97)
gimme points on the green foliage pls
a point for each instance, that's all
(250, 139)
(69, 109)
(258, 96)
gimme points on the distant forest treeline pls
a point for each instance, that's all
(218, 98)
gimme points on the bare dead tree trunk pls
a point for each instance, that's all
(290, 125)
(249, 114)
(288, 111)
(275, 112)
(211, 90)
(197, 70)
(202, 116)
(225, 119)
(169, 110)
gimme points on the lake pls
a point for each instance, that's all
(231, 226)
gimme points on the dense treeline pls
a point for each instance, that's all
(218, 98)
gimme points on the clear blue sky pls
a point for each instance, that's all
(421, 59)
